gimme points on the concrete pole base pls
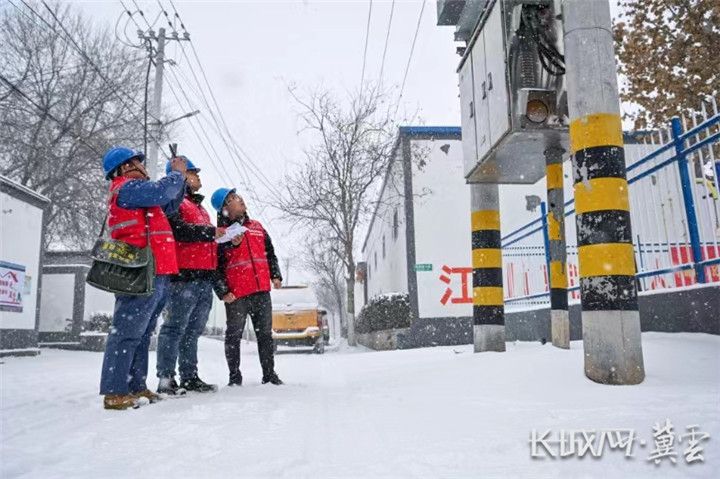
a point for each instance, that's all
(489, 337)
(613, 349)
(351, 339)
(560, 328)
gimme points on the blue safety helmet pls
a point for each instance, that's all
(118, 155)
(190, 165)
(218, 198)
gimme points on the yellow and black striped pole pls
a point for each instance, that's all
(610, 317)
(488, 304)
(559, 319)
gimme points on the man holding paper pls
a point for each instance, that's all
(246, 266)
(190, 291)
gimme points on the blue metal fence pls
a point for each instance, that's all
(675, 213)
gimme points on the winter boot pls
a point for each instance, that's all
(120, 401)
(235, 379)
(151, 396)
(198, 385)
(272, 378)
(170, 387)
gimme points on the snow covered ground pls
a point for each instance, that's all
(431, 413)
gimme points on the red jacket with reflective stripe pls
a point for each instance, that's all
(201, 254)
(246, 266)
(128, 225)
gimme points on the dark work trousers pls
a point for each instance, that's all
(189, 306)
(259, 307)
(125, 364)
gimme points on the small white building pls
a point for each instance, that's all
(68, 301)
(418, 240)
(22, 227)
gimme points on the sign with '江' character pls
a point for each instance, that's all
(12, 283)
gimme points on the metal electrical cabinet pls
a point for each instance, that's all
(513, 101)
(467, 111)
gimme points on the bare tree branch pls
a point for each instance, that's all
(332, 190)
(52, 157)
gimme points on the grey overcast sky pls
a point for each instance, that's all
(252, 50)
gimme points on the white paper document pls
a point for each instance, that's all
(232, 231)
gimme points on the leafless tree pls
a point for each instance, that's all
(322, 261)
(62, 109)
(332, 190)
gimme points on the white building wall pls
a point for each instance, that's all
(97, 301)
(56, 307)
(359, 296)
(387, 273)
(20, 243)
(442, 229)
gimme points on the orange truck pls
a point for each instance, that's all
(298, 319)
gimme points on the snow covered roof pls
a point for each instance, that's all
(23, 192)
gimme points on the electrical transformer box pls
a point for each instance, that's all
(512, 89)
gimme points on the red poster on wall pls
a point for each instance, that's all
(12, 284)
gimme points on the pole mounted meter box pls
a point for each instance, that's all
(512, 88)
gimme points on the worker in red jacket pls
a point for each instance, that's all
(191, 291)
(137, 215)
(247, 266)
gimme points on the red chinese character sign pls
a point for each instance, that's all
(461, 280)
(12, 283)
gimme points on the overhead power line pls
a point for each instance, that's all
(367, 37)
(250, 163)
(213, 156)
(90, 61)
(182, 85)
(412, 50)
(242, 161)
(142, 14)
(245, 179)
(70, 68)
(387, 38)
(130, 14)
(116, 89)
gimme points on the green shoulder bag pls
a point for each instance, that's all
(122, 268)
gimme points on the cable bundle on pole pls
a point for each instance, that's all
(551, 59)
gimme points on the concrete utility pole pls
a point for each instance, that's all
(559, 319)
(610, 317)
(287, 271)
(488, 301)
(350, 311)
(156, 125)
(152, 153)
